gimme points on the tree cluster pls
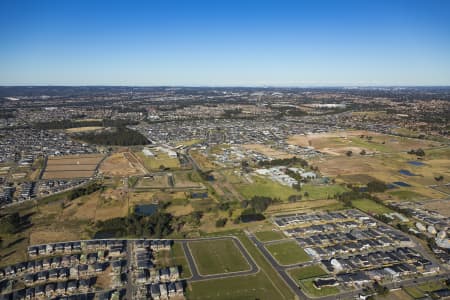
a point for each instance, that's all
(85, 190)
(122, 136)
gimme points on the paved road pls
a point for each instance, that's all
(282, 270)
(130, 289)
(196, 276)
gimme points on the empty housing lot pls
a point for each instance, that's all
(72, 166)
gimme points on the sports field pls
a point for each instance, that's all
(217, 256)
(288, 253)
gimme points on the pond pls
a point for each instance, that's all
(406, 173)
(416, 163)
(145, 209)
(401, 183)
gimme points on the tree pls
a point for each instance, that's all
(221, 222)
(363, 152)
(349, 153)
(376, 186)
(439, 178)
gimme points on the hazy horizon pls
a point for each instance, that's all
(226, 43)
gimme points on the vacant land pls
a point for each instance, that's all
(370, 206)
(72, 166)
(311, 290)
(265, 187)
(288, 253)
(118, 164)
(419, 291)
(160, 161)
(395, 295)
(267, 150)
(217, 256)
(152, 182)
(185, 180)
(265, 236)
(338, 143)
(299, 274)
(257, 286)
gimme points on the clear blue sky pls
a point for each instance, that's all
(227, 42)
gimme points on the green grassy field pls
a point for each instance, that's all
(237, 288)
(217, 256)
(265, 236)
(407, 195)
(287, 253)
(265, 268)
(322, 191)
(307, 272)
(311, 290)
(162, 159)
(265, 187)
(370, 206)
(419, 291)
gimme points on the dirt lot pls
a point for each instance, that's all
(118, 165)
(266, 150)
(72, 166)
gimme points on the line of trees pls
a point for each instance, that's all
(284, 162)
(64, 124)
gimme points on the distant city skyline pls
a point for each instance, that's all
(225, 43)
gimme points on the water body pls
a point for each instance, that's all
(406, 173)
(145, 209)
(416, 163)
(401, 183)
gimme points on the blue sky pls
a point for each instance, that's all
(222, 43)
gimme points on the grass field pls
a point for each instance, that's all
(156, 181)
(370, 206)
(269, 272)
(407, 195)
(322, 191)
(299, 274)
(265, 187)
(311, 290)
(419, 291)
(160, 159)
(265, 236)
(174, 257)
(256, 286)
(287, 253)
(395, 295)
(217, 256)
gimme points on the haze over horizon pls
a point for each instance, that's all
(226, 43)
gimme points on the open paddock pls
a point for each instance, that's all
(72, 166)
(217, 256)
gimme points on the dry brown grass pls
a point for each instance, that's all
(118, 165)
(267, 150)
(71, 166)
(83, 129)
